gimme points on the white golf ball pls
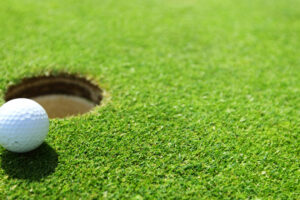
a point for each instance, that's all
(24, 125)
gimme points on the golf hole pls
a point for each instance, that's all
(61, 95)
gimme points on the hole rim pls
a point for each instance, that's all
(37, 86)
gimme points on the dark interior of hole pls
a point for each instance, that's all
(62, 84)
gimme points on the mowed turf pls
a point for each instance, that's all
(202, 98)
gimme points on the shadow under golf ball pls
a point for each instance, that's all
(33, 165)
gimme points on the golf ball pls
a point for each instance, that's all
(24, 125)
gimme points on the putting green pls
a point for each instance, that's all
(202, 98)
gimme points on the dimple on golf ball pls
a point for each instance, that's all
(24, 125)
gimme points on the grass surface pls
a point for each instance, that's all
(204, 98)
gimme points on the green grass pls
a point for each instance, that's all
(204, 98)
